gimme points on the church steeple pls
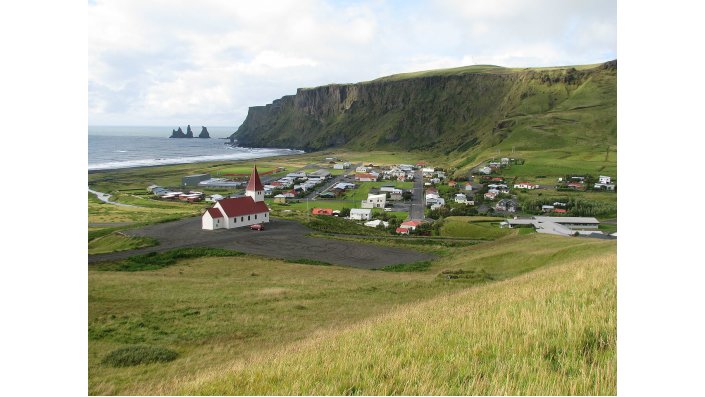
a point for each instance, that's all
(254, 186)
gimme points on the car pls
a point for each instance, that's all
(258, 227)
(387, 209)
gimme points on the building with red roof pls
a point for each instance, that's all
(402, 230)
(410, 225)
(248, 210)
(322, 211)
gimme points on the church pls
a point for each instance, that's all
(230, 213)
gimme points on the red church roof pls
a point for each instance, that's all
(215, 213)
(242, 206)
(254, 183)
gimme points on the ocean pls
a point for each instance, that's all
(127, 147)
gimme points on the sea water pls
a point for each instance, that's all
(127, 147)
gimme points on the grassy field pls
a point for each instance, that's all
(224, 315)
(118, 242)
(484, 228)
(549, 332)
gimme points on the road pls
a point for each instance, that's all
(418, 200)
(104, 197)
(280, 239)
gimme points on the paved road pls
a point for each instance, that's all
(418, 201)
(104, 197)
(281, 239)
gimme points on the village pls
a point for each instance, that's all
(402, 199)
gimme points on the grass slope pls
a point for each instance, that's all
(218, 313)
(549, 332)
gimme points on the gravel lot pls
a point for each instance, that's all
(280, 239)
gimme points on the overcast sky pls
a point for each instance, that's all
(205, 62)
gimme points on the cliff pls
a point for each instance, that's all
(204, 133)
(444, 110)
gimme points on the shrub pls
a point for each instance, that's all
(139, 354)
(420, 266)
(158, 260)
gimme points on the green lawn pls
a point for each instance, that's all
(460, 226)
(118, 242)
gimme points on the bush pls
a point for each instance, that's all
(420, 266)
(158, 260)
(140, 354)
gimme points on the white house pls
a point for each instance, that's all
(461, 198)
(361, 169)
(605, 179)
(485, 170)
(525, 185)
(361, 214)
(375, 201)
(376, 223)
(230, 213)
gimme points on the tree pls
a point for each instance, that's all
(345, 212)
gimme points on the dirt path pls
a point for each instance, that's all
(281, 239)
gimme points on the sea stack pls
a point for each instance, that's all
(204, 133)
(177, 133)
(189, 133)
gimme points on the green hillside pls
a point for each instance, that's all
(465, 114)
(550, 332)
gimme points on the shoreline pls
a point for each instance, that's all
(95, 171)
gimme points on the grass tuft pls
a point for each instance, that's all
(137, 355)
(420, 266)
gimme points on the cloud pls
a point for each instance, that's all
(206, 62)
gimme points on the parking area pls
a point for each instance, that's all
(280, 239)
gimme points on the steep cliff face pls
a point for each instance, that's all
(451, 110)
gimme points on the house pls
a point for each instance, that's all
(361, 169)
(461, 198)
(366, 177)
(410, 225)
(452, 183)
(402, 230)
(605, 179)
(485, 170)
(504, 160)
(560, 225)
(215, 197)
(547, 208)
(560, 211)
(468, 186)
(376, 223)
(194, 180)
(231, 213)
(280, 198)
(491, 195)
(396, 195)
(361, 214)
(322, 211)
(374, 201)
(505, 205)
(525, 185)
(341, 166)
(575, 185)
(604, 186)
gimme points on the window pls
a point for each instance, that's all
(242, 219)
(248, 217)
(235, 220)
(265, 215)
(255, 216)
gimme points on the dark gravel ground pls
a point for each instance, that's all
(280, 239)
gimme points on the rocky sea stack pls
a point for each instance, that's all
(189, 133)
(177, 133)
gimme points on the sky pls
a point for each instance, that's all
(173, 62)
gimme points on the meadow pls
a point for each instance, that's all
(226, 319)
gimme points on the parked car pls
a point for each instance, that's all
(258, 227)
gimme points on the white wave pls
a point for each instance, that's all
(242, 154)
